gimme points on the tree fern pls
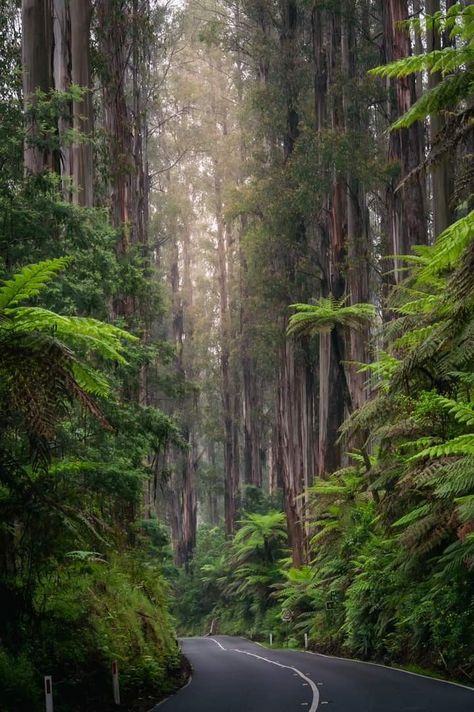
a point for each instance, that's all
(444, 61)
(30, 281)
(45, 357)
(326, 314)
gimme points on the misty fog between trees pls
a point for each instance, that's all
(236, 337)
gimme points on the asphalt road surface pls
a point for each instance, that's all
(236, 675)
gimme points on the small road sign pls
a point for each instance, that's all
(115, 682)
(48, 693)
(287, 615)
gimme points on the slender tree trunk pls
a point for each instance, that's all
(441, 173)
(231, 486)
(115, 45)
(406, 206)
(294, 453)
(329, 113)
(62, 63)
(82, 165)
(37, 62)
(357, 222)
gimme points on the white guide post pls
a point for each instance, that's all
(115, 682)
(271, 638)
(306, 641)
(48, 693)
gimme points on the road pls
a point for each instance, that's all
(236, 675)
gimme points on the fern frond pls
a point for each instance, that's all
(455, 479)
(413, 516)
(450, 246)
(91, 380)
(449, 92)
(327, 313)
(461, 445)
(462, 412)
(443, 61)
(104, 339)
(30, 281)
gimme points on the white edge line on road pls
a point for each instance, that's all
(388, 667)
(367, 662)
(170, 696)
(315, 691)
(217, 643)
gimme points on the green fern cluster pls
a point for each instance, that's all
(48, 361)
(392, 534)
(422, 420)
(453, 63)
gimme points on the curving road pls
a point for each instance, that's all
(236, 675)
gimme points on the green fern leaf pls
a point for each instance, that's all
(30, 281)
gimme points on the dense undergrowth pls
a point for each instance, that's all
(84, 617)
(81, 581)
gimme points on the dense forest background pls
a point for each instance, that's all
(237, 336)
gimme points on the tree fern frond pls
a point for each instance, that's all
(461, 445)
(105, 339)
(450, 246)
(449, 92)
(327, 313)
(30, 281)
(444, 61)
(413, 516)
(91, 380)
(462, 412)
(455, 479)
(465, 508)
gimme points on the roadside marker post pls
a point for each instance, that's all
(48, 693)
(306, 641)
(115, 682)
(271, 638)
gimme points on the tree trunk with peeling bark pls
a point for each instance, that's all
(406, 197)
(441, 172)
(82, 161)
(114, 43)
(37, 64)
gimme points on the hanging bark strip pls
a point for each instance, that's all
(406, 207)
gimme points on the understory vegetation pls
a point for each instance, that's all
(81, 571)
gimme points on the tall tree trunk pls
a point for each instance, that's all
(441, 173)
(115, 45)
(357, 221)
(230, 509)
(332, 232)
(294, 454)
(62, 62)
(82, 166)
(406, 206)
(37, 62)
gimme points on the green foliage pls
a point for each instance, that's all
(81, 579)
(453, 63)
(392, 539)
(326, 314)
(231, 583)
